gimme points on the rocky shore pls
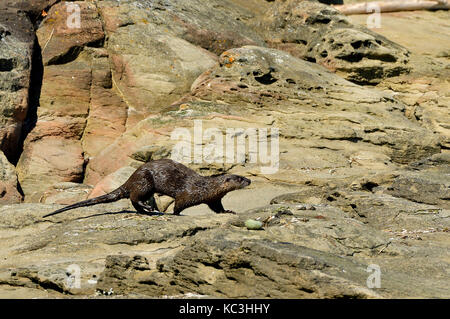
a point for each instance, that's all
(361, 183)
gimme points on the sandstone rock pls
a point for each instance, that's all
(214, 255)
(171, 74)
(112, 181)
(232, 262)
(426, 181)
(16, 51)
(260, 76)
(66, 193)
(122, 152)
(305, 101)
(9, 193)
(62, 37)
(319, 33)
(426, 87)
(215, 272)
(52, 151)
(376, 206)
(46, 162)
(360, 180)
(213, 25)
(151, 152)
(33, 7)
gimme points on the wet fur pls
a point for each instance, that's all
(167, 177)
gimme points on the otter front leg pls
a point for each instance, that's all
(183, 201)
(217, 207)
(179, 206)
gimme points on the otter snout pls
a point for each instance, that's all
(246, 181)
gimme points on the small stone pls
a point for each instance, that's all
(305, 207)
(252, 224)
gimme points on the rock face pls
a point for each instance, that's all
(320, 250)
(8, 182)
(355, 177)
(319, 33)
(16, 50)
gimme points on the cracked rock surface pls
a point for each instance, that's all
(362, 179)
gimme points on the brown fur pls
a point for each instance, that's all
(167, 177)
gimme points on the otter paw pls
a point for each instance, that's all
(228, 212)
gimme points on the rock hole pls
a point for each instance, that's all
(266, 79)
(290, 81)
(356, 44)
(369, 186)
(319, 20)
(301, 41)
(6, 65)
(353, 57)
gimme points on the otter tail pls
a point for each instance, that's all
(115, 195)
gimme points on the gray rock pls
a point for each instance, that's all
(319, 33)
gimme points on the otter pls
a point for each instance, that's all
(167, 177)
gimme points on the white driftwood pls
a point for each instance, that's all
(391, 6)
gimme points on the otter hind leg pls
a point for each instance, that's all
(143, 201)
(143, 208)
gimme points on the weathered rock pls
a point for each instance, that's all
(360, 181)
(260, 76)
(78, 108)
(225, 267)
(9, 193)
(171, 74)
(38, 170)
(112, 181)
(214, 26)
(414, 202)
(427, 181)
(123, 151)
(426, 188)
(236, 263)
(317, 32)
(425, 89)
(33, 7)
(107, 110)
(90, 95)
(66, 193)
(16, 51)
(149, 153)
(325, 250)
(62, 36)
(316, 107)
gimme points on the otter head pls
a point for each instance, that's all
(232, 182)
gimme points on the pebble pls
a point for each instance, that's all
(305, 207)
(253, 224)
